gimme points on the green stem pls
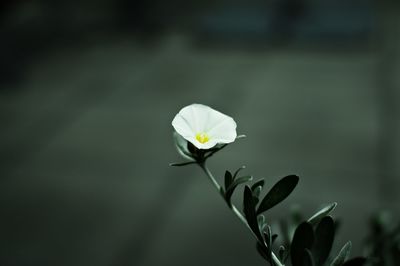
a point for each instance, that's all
(234, 209)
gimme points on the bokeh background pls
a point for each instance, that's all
(88, 90)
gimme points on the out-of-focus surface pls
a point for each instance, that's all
(88, 91)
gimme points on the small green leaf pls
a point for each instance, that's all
(233, 186)
(221, 191)
(239, 181)
(259, 183)
(250, 212)
(303, 239)
(182, 164)
(358, 261)
(214, 150)
(344, 253)
(238, 170)
(268, 240)
(257, 192)
(261, 222)
(278, 193)
(322, 213)
(181, 145)
(307, 258)
(256, 188)
(324, 235)
(268, 236)
(282, 253)
(228, 179)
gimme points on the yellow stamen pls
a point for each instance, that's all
(202, 137)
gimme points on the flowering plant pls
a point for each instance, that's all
(200, 132)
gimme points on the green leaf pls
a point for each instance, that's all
(228, 179)
(257, 192)
(242, 136)
(239, 181)
(268, 240)
(214, 150)
(307, 258)
(344, 253)
(182, 164)
(358, 261)
(238, 170)
(324, 235)
(250, 212)
(282, 253)
(256, 188)
(261, 222)
(322, 213)
(259, 183)
(278, 193)
(221, 191)
(303, 239)
(181, 145)
(233, 186)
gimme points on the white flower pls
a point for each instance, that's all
(204, 127)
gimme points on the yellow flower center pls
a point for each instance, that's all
(202, 137)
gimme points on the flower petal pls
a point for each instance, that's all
(199, 114)
(224, 131)
(201, 119)
(183, 126)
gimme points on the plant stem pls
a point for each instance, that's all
(233, 208)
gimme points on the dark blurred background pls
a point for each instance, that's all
(88, 90)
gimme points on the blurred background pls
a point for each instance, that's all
(88, 90)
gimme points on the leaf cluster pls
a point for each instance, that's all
(310, 241)
(383, 242)
(313, 239)
(307, 243)
(311, 246)
(254, 206)
(231, 182)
